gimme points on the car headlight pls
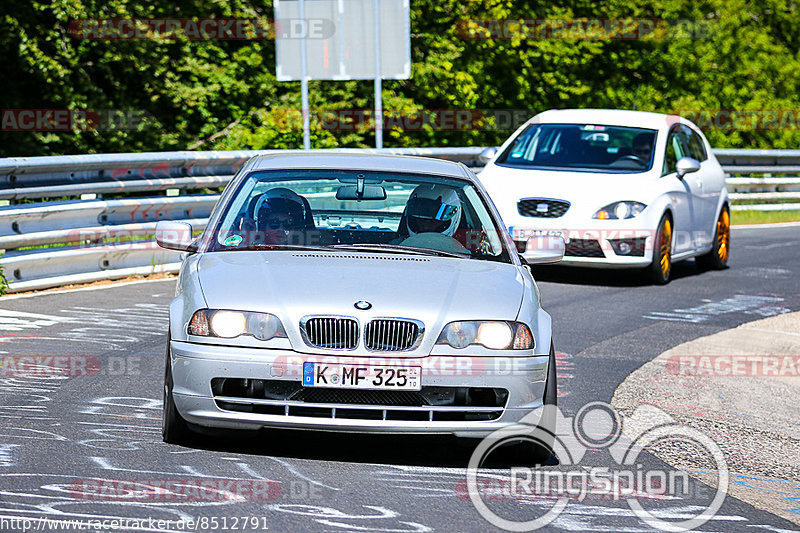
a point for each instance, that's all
(231, 324)
(495, 335)
(620, 211)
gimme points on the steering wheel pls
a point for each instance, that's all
(631, 157)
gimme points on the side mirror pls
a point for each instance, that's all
(174, 235)
(487, 154)
(543, 249)
(686, 165)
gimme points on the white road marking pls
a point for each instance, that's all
(6, 458)
(739, 303)
(290, 467)
(20, 320)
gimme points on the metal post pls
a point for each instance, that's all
(378, 98)
(304, 79)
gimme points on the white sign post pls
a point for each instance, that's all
(342, 40)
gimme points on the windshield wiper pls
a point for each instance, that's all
(300, 247)
(396, 248)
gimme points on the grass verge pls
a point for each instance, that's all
(764, 217)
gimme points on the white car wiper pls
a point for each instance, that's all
(396, 248)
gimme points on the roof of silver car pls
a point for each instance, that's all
(357, 161)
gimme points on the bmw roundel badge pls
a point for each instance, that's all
(362, 305)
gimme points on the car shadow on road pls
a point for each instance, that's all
(609, 277)
(411, 450)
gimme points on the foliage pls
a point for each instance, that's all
(3, 281)
(222, 94)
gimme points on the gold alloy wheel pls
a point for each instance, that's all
(665, 247)
(723, 236)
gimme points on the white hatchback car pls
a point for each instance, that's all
(627, 189)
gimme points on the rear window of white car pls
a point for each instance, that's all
(590, 147)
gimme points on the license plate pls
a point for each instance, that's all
(523, 234)
(362, 376)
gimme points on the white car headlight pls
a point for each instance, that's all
(231, 324)
(620, 211)
(495, 335)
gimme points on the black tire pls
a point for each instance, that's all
(538, 453)
(174, 429)
(551, 386)
(717, 258)
(660, 269)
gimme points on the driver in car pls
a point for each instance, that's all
(643, 146)
(433, 215)
(279, 217)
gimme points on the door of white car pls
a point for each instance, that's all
(712, 179)
(688, 194)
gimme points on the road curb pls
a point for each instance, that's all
(768, 226)
(725, 395)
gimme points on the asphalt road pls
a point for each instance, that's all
(68, 443)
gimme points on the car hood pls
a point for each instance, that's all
(291, 285)
(595, 189)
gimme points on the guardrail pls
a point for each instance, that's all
(50, 243)
(746, 186)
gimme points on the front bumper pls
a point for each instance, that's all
(596, 244)
(195, 365)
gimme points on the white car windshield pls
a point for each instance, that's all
(358, 210)
(582, 147)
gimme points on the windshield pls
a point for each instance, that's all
(582, 147)
(358, 210)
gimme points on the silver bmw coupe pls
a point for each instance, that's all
(359, 293)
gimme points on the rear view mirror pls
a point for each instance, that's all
(543, 249)
(487, 154)
(368, 192)
(686, 165)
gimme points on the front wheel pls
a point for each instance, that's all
(539, 450)
(717, 258)
(661, 267)
(174, 429)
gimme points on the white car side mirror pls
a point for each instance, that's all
(543, 249)
(686, 165)
(487, 154)
(174, 235)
